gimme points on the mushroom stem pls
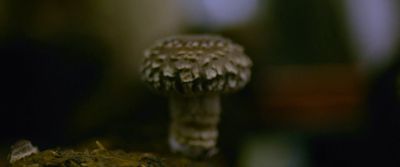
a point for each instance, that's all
(193, 130)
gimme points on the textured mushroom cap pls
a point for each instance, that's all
(196, 65)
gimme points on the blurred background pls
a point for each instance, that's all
(324, 90)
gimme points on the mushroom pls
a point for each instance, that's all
(22, 149)
(193, 70)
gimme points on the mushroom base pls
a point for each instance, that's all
(193, 130)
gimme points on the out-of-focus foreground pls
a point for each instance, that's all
(324, 90)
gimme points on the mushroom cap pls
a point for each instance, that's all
(193, 65)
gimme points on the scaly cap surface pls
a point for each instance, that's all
(195, 64)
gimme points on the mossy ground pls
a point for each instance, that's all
(101, 157)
